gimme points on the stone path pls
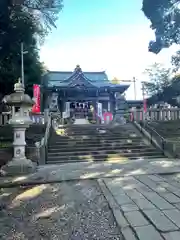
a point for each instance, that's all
(145, 207)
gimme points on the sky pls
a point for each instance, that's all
(103, 35)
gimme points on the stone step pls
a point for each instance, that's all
(59, 139)
(82, 145)
(97, 148)
(61, 161)
(89, 155)
(97, 143)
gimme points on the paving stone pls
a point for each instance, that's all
(136, 219)
(107, 194)
(128, 233)
(169, 187)
(147, 181)
(174, 215)
(129, 207)
(134, 194)
(171, 235)
(156, 178)
(177, 205)
(144, 188)
(122, 199)
(160, 202)
(148, 233)
(170, 197)
(161, 222)
(144, 204)
(120, 219)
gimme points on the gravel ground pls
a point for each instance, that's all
(69, 211)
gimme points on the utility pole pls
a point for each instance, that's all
(134, 81)
(22, 63)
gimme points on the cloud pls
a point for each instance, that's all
(123, 55)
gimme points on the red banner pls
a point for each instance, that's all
(36, 94)
(145, 105)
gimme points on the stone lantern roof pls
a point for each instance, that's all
(18, 98)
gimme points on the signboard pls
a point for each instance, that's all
(36, 94)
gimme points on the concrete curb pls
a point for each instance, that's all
(121, 221)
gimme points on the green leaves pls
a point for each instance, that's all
(165, 21)
(27, 21)
(159, 79)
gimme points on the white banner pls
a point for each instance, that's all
(99, 108)
(66, 114)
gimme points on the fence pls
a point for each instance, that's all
(36, 118)
(155, 114)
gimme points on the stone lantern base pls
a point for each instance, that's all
(19, 167)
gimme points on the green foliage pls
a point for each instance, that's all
(22, 23)
(159, 79)
(175, 60)
(165, 21)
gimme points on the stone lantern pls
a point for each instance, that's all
(120, 111)
(19, 121)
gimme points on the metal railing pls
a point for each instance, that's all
(166, 145)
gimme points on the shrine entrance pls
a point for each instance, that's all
(80, 109)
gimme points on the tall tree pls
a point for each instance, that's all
(159, 79)
(165, 21)
(21, 24)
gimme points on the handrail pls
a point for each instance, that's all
(153, 130)
(166, 144)
(153, 133)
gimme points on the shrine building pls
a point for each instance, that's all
(81, 90)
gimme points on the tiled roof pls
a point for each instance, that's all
(79, 78)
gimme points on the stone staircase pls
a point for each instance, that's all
(81, 143)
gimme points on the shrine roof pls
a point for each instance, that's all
(78, 78)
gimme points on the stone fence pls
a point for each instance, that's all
(155, 114)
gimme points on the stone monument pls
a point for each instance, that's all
(19, 121)
(120, 109)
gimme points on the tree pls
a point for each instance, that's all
(19, 24)
(175, 60)
(165, 21)
(115, 81)
(160, 79)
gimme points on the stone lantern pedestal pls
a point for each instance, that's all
(120, 110)
(20, 121)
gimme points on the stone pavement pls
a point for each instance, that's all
(93, 170)
(145, 207)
